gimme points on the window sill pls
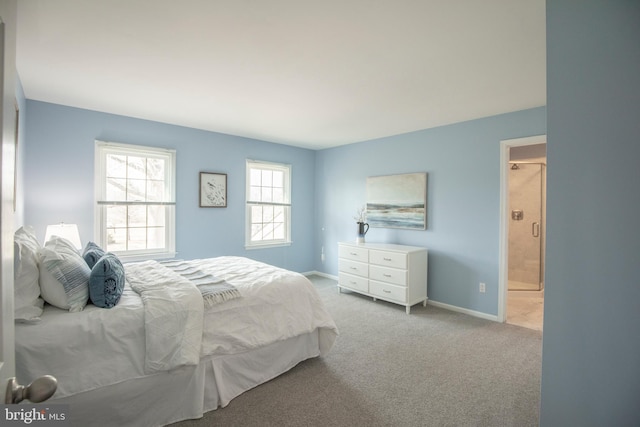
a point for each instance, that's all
(266, 245)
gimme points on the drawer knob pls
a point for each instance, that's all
(386, 291)
(386, 275)
(387, 259)
(353, 253)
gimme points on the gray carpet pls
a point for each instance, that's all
(431, 368)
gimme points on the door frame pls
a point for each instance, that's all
(8, 19)
(503, 275)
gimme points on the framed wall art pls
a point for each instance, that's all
(397, 201)
(213, 190)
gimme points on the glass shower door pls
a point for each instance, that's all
(525, 226)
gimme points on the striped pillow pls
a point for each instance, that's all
(64, 280)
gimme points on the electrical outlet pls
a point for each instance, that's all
(483, 287)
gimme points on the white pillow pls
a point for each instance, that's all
(27, 301)
(64, 275)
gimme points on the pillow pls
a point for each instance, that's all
(92, 253)
(27, 301)
(64, 275)
(106, 281)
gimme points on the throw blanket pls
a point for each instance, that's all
(214, 290)
(173, 315)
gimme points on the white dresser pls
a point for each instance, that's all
(393, 273)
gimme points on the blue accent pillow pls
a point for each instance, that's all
(92, 253)
(106, 281)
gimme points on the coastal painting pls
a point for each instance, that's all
(397, 201)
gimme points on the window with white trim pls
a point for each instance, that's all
(268, 213)
(135, 200)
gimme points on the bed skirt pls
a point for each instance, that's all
(187, 392)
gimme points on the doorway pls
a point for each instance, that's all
(526, 205)
(522, 233)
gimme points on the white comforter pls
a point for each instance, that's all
(173, 314)
(98, 347)
(276, 304)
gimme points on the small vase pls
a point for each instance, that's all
(363, 227)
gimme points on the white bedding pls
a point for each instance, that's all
(173, 316)
(276, 304)
(83, 350)
(100, 347)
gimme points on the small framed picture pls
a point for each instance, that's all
(213, 190)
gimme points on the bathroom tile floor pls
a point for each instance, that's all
(525, 308)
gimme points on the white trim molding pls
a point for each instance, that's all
(463, 310)
(319, 273)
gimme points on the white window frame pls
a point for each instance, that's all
(286, 169)
(102, 149)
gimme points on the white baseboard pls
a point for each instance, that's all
(319, 273)
(430, 302)
(463, 310)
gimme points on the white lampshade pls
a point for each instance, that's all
(66, 231)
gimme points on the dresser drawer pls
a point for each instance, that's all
(353, 253)
(385, 290)
(354, 267)
(389, 275)
(388, 259)
(353, 282)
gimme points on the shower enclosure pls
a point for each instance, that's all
(526, 226)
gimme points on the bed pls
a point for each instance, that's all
(161, 354)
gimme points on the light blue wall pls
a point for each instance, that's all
(463, 201)
(591, 340)
(462, 162)
(59, 184)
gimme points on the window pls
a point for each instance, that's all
(135, 200)
(268, 204)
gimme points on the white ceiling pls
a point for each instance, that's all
(307, 73)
